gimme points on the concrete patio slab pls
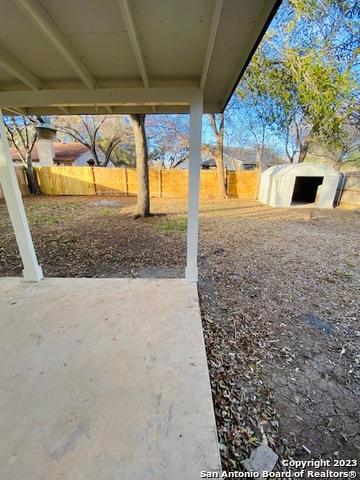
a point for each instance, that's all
(104, 379)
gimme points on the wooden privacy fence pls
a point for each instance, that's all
(163, 183)
(21, 178)
(349, 190)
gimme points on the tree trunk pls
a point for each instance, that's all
(219, 160)
(31, 178)
(259, 167)
(303, 152)
(142, 167)
(259, 158)
(95, 156)
(218, 130)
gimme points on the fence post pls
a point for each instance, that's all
(160, 182)
(258, 179)
(93, 175)
(126, 182)
(226, 180)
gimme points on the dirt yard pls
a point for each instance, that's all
(280, 300)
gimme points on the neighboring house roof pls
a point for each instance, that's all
(230, 163)
(244, 155)
(64, 152)
(237, 158)
(69, 151)
(249, 156)
(209, 163)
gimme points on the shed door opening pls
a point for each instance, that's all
(305, 189)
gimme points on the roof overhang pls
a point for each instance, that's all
(125, 56)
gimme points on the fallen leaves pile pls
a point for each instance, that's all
(236, 351)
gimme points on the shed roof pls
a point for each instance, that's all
(91, 56)
(301, 170)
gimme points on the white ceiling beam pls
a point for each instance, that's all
(100, 96)
(64, 110)
(24, 113)
(210, 46)
(120, 109)
(130, 27)
(15, 68)
(107, 108)
(50, 30)
(17, 111)
(19, 71)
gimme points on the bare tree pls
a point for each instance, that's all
(258, 117)
(169, 136)
(92, 131)
(217, 125)
(22, 135)
(142, 167)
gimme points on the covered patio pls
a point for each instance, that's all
(97, 386)
(104, 377)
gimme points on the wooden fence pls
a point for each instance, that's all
(163, 183)
(349, 191)
(21, 177)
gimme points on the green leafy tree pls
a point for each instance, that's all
(304, 73)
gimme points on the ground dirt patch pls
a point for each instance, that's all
(279, 293)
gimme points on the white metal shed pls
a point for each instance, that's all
(299, 184)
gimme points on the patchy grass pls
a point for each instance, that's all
(44, 218)
(328, 279)
(170, 225)
(108, 212)
(343, 275)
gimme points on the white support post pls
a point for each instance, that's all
(196, 111)
(32, 271)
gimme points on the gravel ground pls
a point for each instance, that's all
(279, 293)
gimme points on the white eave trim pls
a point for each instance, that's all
(210, 46)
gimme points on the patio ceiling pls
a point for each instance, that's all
(125, 56)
